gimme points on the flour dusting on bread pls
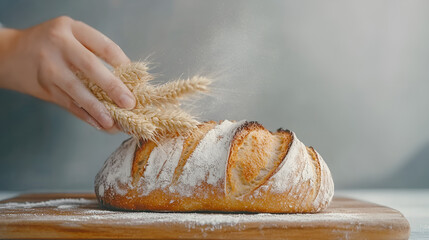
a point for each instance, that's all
(208, 161)
(161, 164)
(225, 166)
(116, 171)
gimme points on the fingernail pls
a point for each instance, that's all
(106, 120)
(127, 101)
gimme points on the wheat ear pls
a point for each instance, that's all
(132, 123)
(170, 120)
(133, 73)
(157, 113)
(179, 89)
(149, 95)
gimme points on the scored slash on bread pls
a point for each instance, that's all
(225, 166)
(255, 155)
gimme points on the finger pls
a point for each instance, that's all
(64, 100)
(113, 130)
(99, 44)
(84, 98)
(84, 115)
(91, 66)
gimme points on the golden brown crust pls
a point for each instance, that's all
(255, 155)
(264, 172)
(140, 159)
(318, 170)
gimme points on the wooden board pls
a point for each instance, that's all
(75, 215)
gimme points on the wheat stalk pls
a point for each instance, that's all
(157, 113)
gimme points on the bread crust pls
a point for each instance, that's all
(222, 167)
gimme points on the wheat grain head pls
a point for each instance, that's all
(157, 113)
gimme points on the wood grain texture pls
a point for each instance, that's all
(74, 216)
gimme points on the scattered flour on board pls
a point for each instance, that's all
(204, 221)
(60, 203)
(84, 211)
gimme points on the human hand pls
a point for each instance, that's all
(41, 61)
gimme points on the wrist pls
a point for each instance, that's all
(8, 42)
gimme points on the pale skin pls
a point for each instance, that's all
(42, 60)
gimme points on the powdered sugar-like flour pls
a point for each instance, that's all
(298, 176)
(84, 215)
(60, 203)
(287, 173)
(208, 161)
(86, 211)
(117, 168)
(161, 165)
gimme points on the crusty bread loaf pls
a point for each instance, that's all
(226, 166)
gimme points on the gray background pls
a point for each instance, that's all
(351, 78)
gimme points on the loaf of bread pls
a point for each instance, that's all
(226, 166)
